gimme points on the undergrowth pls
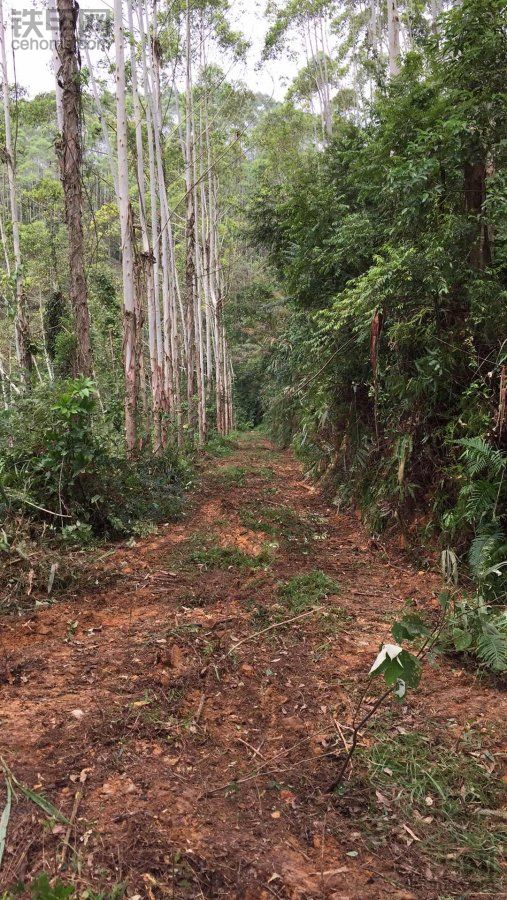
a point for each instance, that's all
(444, 795)
(231, 476)
(68, 472)
(210, 555)
(305, 591)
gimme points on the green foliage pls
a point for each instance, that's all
(220, 445)
(42, 888)
(446, 789)
(481, 630)
(399, 668)
(210, 556)
(274, 520)
(481, 504)
(232, 475)
(409, 627)
(304, 591)
(386, 377)
(65, 467)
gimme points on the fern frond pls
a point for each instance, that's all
(492, 644)
(479, 457)
(486, 548)
(477, 500)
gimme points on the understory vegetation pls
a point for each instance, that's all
(336, 272)
(253, 449)
(389, 247)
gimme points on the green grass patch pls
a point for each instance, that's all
(221, 445)
(231, 476)
(44, 887)
(266, 472)
(439, 793)
(305, 591)
(281, 521)
(210, 555)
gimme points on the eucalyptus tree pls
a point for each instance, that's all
(22, 329)
(309, 23)
(130, 350)
(393, 37)
(70, 156)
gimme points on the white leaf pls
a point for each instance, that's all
(401, 688)
(390, 651)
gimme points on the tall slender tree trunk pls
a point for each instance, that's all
(21, 325)
(190, 270)
(168, 268)
(475, 199)
(127, 247)
(146, 259)
(393, 37)
(199, 275)
(70, 155)
(103, 123)
(436, 9)
(55, 40)
(155, 337)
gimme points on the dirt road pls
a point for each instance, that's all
(189, 735)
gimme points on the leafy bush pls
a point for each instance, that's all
(481, 507)
(60, 463)
(388, 373)
(479, 629)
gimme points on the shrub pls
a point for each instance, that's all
(59, 462)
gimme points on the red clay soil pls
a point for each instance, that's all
(188, 770)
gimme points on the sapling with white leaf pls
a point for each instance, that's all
(399, 668)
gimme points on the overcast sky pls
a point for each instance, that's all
(26, 21)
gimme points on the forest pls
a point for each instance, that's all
(253, 448)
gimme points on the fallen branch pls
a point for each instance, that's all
(4, 820)
(200, 708)
(66, 840)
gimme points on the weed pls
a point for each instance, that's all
(333, 620)
(266, 472)
(215, 557)
(271, 519)
(220, 445)
(42, 888)
(443, 794)
(231, 476)
(304, 591)
(260, 617)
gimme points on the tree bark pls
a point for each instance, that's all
(55, 35)
(190, 270)
(475, 198)
(127, 248)
(70, 156)
(21, 326)
(166, 249)
(393, 37)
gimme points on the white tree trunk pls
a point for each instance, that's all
(154, 206)
(393, 37)
(127, 248)
(21, 326)
(55, 40)
(147, 255)
(166, 245)
(103, 124)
